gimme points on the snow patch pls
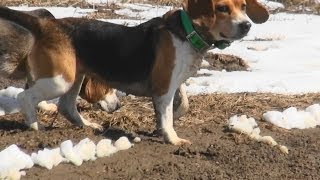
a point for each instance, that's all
(13, 160)
(48, 158)
(292, 118)
(248, 126)
(105, 148)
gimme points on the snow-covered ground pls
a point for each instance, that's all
(283, 53)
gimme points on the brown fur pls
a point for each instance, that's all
(16, 43)
(197, 9)
(56, 58)
(257, 13)
(93, 90)
(164, 63)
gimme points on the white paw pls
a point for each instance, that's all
(179, 141)
(43, 105)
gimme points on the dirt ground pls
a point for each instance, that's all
(216, 153)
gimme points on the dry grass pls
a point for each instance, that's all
(80, 3)
(294, 6)
(301, 6)
(226, 62)
(137, 113)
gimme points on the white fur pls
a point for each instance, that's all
(110, 102)
(187, 62)
(43, 89)
(67, 105)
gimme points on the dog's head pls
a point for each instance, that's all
(225, 19)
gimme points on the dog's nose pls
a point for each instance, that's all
(245, 26)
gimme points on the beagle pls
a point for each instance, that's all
(152, 59)
(15, 44)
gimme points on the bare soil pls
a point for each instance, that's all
(216, 153)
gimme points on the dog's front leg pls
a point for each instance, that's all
(163, 106)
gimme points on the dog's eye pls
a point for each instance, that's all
(223, 9)
(243, 7)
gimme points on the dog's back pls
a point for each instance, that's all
(15, 44)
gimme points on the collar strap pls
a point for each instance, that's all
(197, 42)
(193, 37)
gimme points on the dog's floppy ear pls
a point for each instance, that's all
(257, 12)
(200, 11)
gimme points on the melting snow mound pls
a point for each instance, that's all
(249, 127)
(105, 148)
(12, 161)
(47, 158)
(292, 118)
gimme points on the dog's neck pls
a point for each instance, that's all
(176, 25)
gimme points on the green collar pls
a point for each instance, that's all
(193, 37)
(196, 41)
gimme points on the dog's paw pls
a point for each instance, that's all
(96, 126)
(36, 126)
(93, 125)
(43, 105)
(180, 141)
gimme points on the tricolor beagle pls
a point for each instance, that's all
(151, 59)
(15, 45)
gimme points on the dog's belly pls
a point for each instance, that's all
(142, 88)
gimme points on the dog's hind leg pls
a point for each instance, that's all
(67, 105)
(180, 102)
(42, 89)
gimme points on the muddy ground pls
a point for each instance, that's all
(216, 153)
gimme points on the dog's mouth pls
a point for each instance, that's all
(224, 36)
(238, 36)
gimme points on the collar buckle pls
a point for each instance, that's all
(197, 42)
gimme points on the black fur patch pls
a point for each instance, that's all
(115, 52)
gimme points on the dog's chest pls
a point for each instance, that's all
(187, 61)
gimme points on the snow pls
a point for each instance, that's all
(101, 2)
(68, 152)
(105, 148)
(283, 53)
(142, 11)
(59, 12)
(244, 125)
(123, 143)
(48, 158)
(13, 160)
(288, 64)
(86, 149)
(271, 4)
(292, 118)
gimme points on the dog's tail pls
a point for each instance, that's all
(31, 23)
